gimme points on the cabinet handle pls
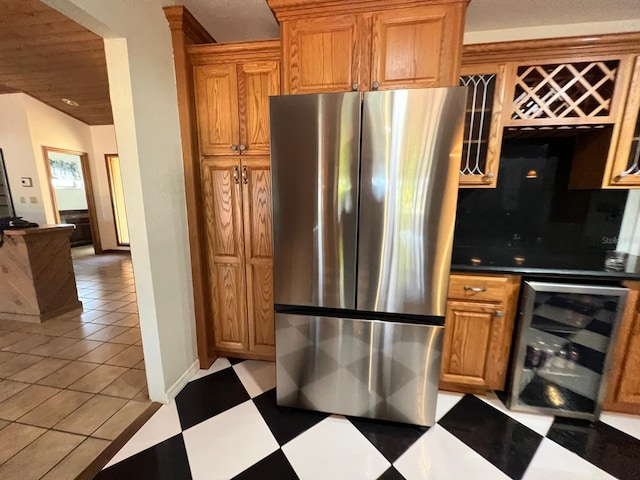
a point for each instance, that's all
(243, 147)
(234, 147)
(236, 176)
(354, 87)
(467, 288)
(245, 179)
(621, 176)
(499, 313)
(375, 85)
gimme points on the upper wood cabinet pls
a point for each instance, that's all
(336, 47)
(482, 138)
(233, 83)
(416, 47)
(625, 166)
(478, 327)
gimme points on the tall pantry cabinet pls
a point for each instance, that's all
(232, 85)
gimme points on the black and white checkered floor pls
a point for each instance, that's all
(225, 424)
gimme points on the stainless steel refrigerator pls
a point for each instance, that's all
(364, 197)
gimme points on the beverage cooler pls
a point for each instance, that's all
(564, 348)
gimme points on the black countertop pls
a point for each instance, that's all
(585, 265)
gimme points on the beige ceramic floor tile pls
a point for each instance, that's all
(109, 318)
(128, 385)
(98, 379)
(103, 353)
(39, 370)
(91, 315)
(26, 400)
(13, 325)
(53, 327)
(116, 296)
(27, 344)
(11, 338)
(9, 388)
(17, 364)
(111, 305)
(4, 423)
(107, 333)
(39, 457)
(84, 330)
(127, 358)
(69, 374)
(121, 420)
(90, 416)
(56, 408)
(131, 308)
(54, 345)
(74, 463)
(143, 395)
(15, 437)
(131, 320)
(129, 337)
(131, 297)
(139, 365)
(75, 351)
(5, 356)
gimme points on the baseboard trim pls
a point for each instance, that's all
(181, 382)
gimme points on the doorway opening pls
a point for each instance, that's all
(117, 199)
(72, 194)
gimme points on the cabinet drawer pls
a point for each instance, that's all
(477, 287)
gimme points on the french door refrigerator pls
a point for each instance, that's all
(364, 190)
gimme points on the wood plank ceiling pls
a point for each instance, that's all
(50, 57)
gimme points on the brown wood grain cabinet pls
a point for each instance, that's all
(361, 46)
(478, 329)
(233, 83)
(623, 388)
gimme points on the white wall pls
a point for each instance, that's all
(103, 138)
(145, 109)
(19, 158)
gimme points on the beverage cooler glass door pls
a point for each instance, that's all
(562, 358)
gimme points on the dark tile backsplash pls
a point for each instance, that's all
(537, 218)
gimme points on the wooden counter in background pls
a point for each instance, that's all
(37, 281)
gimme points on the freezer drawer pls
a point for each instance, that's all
(366, 368)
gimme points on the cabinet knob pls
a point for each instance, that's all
(236, 175)
(621, 176)
(491, 175)
(234, 147)
(245, 179)
(375, 85)
(354, 87)
(499, 313)
(243, 147)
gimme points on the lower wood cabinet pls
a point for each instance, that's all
(623, 390)
(237, 210)
(478, 331)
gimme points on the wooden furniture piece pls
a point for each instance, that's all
(623, 390)
(582, 86)
(479, 324)
(185, 31)
(233, 83)
(361, 45)
(80, 219)
(37, 280)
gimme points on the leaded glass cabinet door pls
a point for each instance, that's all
(625, 171)
(565, 337)
(482, 137)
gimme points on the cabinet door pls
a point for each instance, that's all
(623, 389)
(417, 47)
(482, 138)
(322, 54)
(474, 345)
(225, 250)
(217, 108)
(256, 82)
(256, 190)
(626, 166)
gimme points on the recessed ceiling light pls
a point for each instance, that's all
(71, 103)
